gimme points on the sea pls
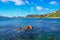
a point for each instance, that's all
(43, 29)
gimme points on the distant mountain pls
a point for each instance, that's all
(3, 16)
(32, 15)
(50, 15)
(17, 17)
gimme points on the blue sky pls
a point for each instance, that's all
(27, 7)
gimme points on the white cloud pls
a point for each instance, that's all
(53, 3)
(16, 2)
(27, 2)
(46, 8)
(39, 8)
(3, 0)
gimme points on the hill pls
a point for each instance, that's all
(49, 15)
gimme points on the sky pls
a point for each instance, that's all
(28, 7)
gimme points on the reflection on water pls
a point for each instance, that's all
(43, 29)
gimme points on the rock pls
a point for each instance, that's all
(28, 27)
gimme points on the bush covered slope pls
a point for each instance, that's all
(53, 14)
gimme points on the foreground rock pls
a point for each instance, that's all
(28, 27)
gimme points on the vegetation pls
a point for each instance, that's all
(52, 15)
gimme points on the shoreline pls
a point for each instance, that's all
(45, 17)
(30, 17)
(54, 17)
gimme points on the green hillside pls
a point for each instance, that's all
(53, 14)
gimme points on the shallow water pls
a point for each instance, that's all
(43, 29)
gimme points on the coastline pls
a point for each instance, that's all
(54, 17)
(44, 17)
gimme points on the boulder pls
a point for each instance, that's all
(28, 27)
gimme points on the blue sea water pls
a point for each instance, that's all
(43, 29)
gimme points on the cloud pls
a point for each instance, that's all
(53, 3)
(39, 8)
(27, 2)
(3, 0)
(46, 8)
(16, 2)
